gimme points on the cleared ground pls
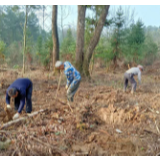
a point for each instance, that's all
(104, 121)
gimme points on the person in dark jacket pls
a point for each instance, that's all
(20, 90)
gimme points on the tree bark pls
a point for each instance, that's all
(80, 38)
(55, 35)
(24, 33)
(94, 40)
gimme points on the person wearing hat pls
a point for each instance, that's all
(129, 76)
(73, 78)
(20, 90)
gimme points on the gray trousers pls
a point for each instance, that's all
(72, 90)
(129, 77)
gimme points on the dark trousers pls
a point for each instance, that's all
(129, 77)
(28, 100)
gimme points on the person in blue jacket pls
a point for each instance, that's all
(73, 78)
(20, 90)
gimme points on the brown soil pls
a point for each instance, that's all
(105, 121)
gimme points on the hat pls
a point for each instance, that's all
(140, 67)
(58, 64)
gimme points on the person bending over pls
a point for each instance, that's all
(73, 78)
(20, 90)
(129, 76)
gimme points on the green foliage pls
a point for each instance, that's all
(68, 45)
(32, 25)
(151, 47)
(150, 50)
(14, 53)
(104, 50)
(16, 66)
(39, 45)
(29, 42)
(2, 51)
(119, 19)
(89, 31)
(12, 23)
(130, 44)
(2, 47)
(12, 20)
(44, 50)
(154, 34)
(137, 35)
(117, 36)
(136, 40)
(91, 22)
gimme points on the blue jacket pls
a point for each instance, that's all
(73, 76)
(21, 84)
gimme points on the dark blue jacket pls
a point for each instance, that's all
(21, 84)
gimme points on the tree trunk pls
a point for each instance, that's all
(94, 40)
(24, 33)
(80, 38)
(55, 35)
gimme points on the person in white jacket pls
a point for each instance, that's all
(129, 76)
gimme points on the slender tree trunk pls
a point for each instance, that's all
(55, 35)
(94, 40)
(24, 33)
(80, 37)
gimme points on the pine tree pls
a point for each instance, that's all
(116, 39)
(136, 40)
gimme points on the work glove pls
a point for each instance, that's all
(8, 106)
(16, 116)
